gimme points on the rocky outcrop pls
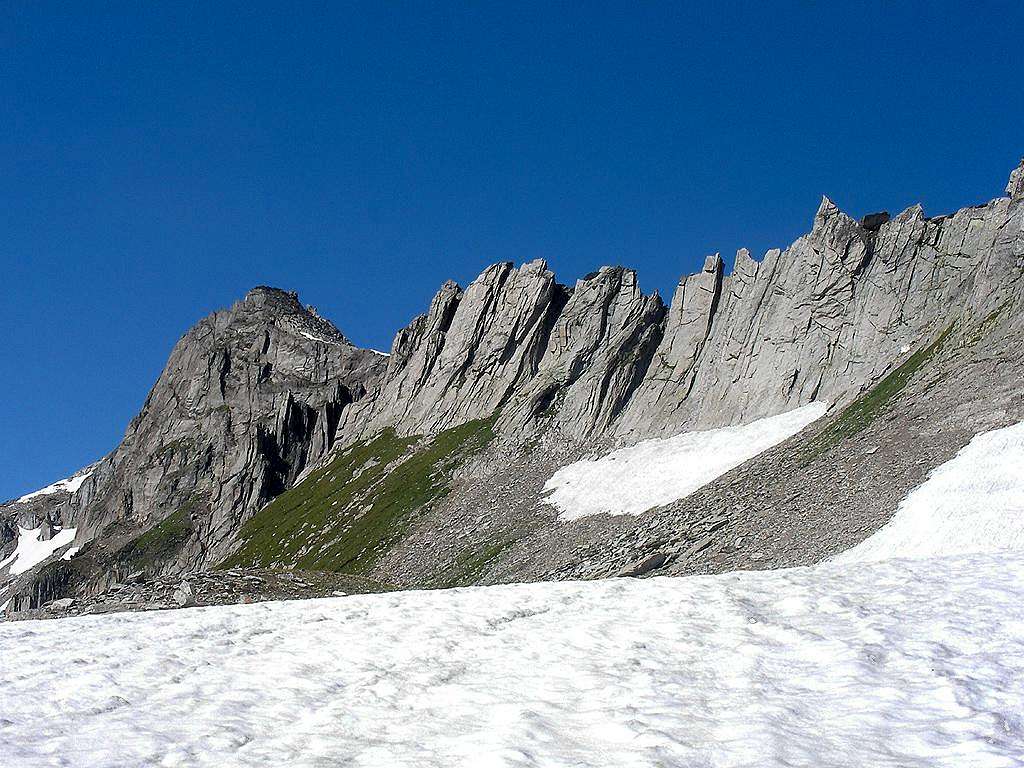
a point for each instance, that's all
(469, 353)
(820, 320)
(518, 343)
(670, 377)
(825, 317)
(597, 352)
(249, 397)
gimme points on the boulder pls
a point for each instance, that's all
(183, 596)
(645, 565)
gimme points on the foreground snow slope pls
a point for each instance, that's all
(972, 503)
(900, 663)
(655, 472)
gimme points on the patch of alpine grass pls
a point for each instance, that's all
(345, 515)
(859, 414)
(159, 544)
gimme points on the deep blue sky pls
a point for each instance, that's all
(156, 162)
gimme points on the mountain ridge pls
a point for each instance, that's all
(256, 397)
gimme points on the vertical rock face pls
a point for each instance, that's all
(769, 354)
(819, 320)
(670, 376)
(468, 354)
(771, 332)
(827, 316)
(517, 342)
(597, 352)
(249, 397)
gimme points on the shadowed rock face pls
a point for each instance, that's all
(253, 396)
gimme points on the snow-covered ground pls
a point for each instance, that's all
(31, 550)
(655, 472)
(881, 664)
(912, 661)
(973, 503)
(67, 485)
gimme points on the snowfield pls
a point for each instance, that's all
(973, 503)
(659, 471)
(900, 663)
(32, 550)
(906, 652)
(67, 485)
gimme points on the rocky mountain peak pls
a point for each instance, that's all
(268, 297)
(283, 309)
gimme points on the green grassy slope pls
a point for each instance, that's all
(345, 515)
(863, 411)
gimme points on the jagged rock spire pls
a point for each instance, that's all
(1015, 186)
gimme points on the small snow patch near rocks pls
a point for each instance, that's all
(67, 485)
(972, 503)
(33, 549)
(660, 471)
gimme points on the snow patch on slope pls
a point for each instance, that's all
(32, 550)
(318, 337)
(67, 485)
(972, 503)
(655, 472)
(882, 664)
